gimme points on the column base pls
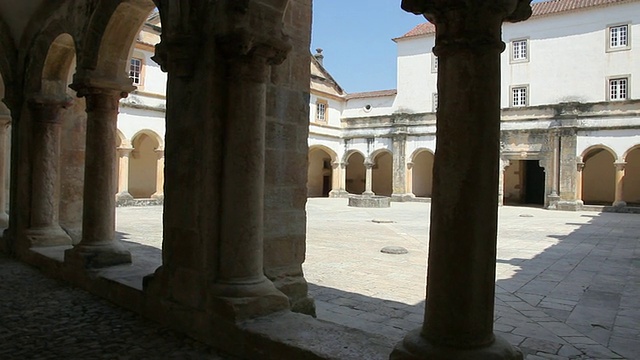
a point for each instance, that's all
(552, 201)
(240, 301)
(97, 256)
(48, 236)
(123, 198)
(402, 197)
(158, 196)
(415, 347)
(620, 203)
(368, 193)
(338, 194)
(570, 205)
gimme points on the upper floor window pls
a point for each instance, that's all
(434, 63)
(619, 37)
(618, 89)
(321, 111)
(135, 71)
(519, 96)
(519, 50)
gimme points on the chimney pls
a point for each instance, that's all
(318, 55)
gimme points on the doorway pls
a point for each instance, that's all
(524, 183)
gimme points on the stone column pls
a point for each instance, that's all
(98, 246)
(458, 322)
(44, 229)
(619, 198)
(241, 289)
(579, 173)
(409, 179)
(123, 196)
(368, 186)
(338, 179)
(504, 164)
(159, 194)
(5, 122)
(399, 169)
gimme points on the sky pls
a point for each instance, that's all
(356, 38)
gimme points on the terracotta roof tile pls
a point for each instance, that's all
(539, 9)
(369, 94)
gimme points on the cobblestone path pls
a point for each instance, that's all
(41, 318)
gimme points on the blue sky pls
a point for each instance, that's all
(356, 38)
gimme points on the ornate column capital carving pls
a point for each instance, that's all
(580, 166)
(369, 164)
(410, 165)
(46, 108)
(101, 96)
(620, 165)
(159, 153)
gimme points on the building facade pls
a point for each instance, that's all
(570, 114)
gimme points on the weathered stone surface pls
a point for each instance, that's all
(369, 201)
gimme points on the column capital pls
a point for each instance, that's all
(159, 153)
(620, 165)
(369, 164)
(469, 25)
(580, 166)
(124, 151)
(85, 84)
(101, 96)
(46, 108)
(410, 165)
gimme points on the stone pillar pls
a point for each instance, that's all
(409, 179)
(338, 180)
(44, 229)
(123, 196)
(580, 167)
(504, 164)
(98, 246)
(5, 122)
(241, 289)
(159, 194)
(368, 186)
(458, 322)
(399, 170)
(619, 197)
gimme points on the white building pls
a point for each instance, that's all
(571, 114)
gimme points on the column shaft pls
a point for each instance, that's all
(44, 229)
(410, 179)
(337, 179)
(619, 195)
(123, 194)
(579, 173)
(399, 168)
(368, 178)
(5, 122)
(159, 194)
(99, 247)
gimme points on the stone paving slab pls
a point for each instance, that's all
(41, 318)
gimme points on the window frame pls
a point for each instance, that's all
(140, 82)
(325, 113)
(609, 34)
(527, 95)
(627, 79)
(527, 50)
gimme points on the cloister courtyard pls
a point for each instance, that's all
(568, 283)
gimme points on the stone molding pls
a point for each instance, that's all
(46, 108)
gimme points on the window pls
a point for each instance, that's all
(434, 63)
(435, 102)
(135, 71)
(619, 37)
(519, 50)
(618, 89)
(321, 111)
(519, 96)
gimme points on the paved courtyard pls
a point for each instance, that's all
(568, 283)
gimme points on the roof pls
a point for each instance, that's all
(370, 94)
(539, 9)
(321, 80)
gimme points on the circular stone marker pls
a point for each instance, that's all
(396, 250)
(378, 221)
(526, 215)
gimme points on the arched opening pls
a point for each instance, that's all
(631, 187)
(319, 173)
(382, 177)
(143, 165)
(356, 175)
(524, 183)
(598, 177)
(422, 174)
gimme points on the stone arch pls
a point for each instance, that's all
(355, 172)
(320, 171)
(382, 172)
(122, 140)
(110, 36)
(591, 148)
(598, 175)
(631, 183)
(143, 164)
(7, 62)
(422, 172)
